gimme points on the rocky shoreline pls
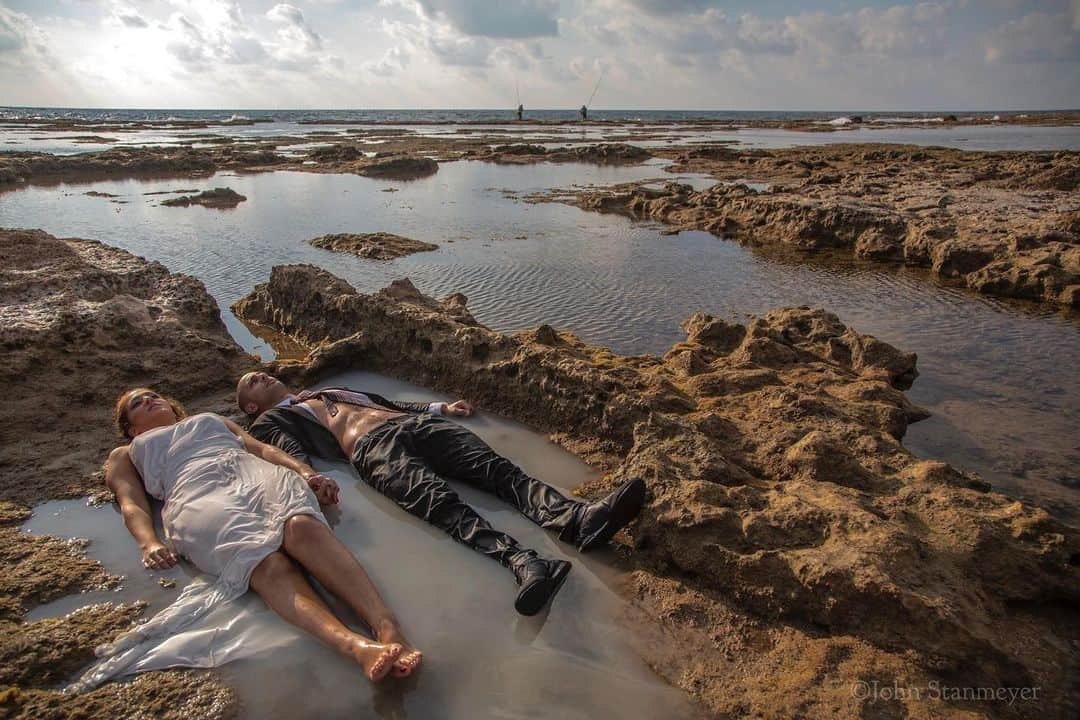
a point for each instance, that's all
(1004, 224)
(792, 547)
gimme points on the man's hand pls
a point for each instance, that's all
(325, 488)
(158, 557)
(458, 409)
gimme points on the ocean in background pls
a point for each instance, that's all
(488, 115)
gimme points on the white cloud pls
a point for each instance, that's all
(393, 61)
(296, 32)
(1035, 38)
(31, 73)
(650, 53)
(501, 19)
(22, 43)
(667, 7)
(127, 16)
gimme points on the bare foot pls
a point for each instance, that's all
(376, 658)
(409, 659)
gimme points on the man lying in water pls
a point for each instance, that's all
(407, 451)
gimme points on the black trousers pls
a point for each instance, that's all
(410, 458)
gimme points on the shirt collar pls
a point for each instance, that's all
(288, 401)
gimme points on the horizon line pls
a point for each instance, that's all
(541, 109)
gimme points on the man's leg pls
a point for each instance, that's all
(390, 462)
(392, 465)
(459, 454)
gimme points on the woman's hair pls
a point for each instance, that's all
(123, 425)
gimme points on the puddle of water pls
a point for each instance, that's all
(1004, 403)
(481, 658)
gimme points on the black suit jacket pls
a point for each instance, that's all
(300, 435)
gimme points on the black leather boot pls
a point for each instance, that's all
(539, 579)
(598, 521)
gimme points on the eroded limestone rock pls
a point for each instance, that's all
(602, 153)
(79, 323)
(372, 246)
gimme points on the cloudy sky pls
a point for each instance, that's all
(694, 54)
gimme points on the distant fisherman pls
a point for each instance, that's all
(584, 112)
(520, 111)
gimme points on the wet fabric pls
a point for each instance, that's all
(224, 509)
(411, 458)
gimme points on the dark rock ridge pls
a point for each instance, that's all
(131, 162)
(605, 153)
(221, 197)
(400, 168)
(372, 246)
(791, 546)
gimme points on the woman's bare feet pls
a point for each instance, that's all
(409, 659)
(377, 658)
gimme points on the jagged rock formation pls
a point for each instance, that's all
(605, 154)
(792, 546)
(79, 323)
(372, 246)
(1002, 223)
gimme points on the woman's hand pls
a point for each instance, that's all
(158, 557)
(325, 488)
(458, 409)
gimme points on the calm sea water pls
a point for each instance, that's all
(476, 115)
(1005, 400)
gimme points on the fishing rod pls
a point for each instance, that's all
(597, 87)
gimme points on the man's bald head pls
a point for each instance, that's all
(257, 392)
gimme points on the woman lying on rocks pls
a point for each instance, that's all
(241, 511)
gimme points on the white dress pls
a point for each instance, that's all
(224, 509)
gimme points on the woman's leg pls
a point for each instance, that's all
(281, 584)
(314, 546)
